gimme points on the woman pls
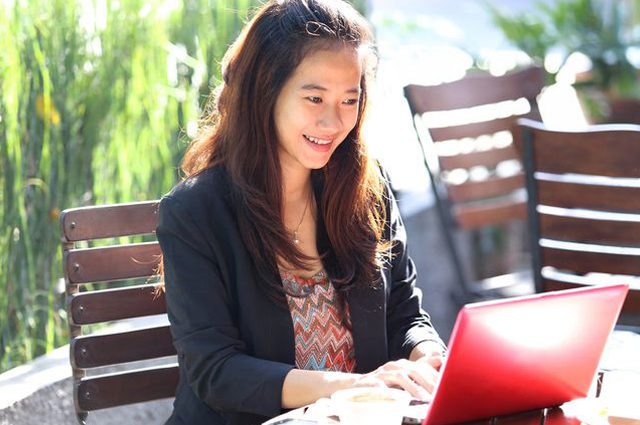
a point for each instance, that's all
(284, 255)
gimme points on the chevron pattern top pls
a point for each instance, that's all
(322, 341)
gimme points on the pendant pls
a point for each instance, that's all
(295, 238)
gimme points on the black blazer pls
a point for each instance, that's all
(235, 346)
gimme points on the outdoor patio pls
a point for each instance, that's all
(418, 43)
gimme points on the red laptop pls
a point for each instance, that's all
(524, 353)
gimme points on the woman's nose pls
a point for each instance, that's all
(330, 119)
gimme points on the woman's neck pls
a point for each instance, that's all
(296, 186)
(299, 217)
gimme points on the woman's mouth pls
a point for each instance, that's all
(317, 140)
(319, 144)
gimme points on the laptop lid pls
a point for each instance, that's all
(524, 353)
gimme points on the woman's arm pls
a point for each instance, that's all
(200, 308)
(430, 352)
(302, 387)
(409, 329)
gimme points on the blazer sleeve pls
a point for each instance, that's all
(407, 323)
(210, 350)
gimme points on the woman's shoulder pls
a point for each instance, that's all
(209, 186)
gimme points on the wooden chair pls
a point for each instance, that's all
(106, 285)
(624, 111)
(461, 148)
(584, 207)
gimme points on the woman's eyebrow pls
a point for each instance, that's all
(317, 87)
(312, 86)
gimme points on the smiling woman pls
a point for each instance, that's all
(286, 271)
(313, 114)
(318, 106)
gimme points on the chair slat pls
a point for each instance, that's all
(588, 196)
(105, 221)
(126, 388)
(577, 229)
(492, 187)
(116, 304)
(581, 152)
(473, 90)
(111, 349)
(489, 213)
(624, 110)
(587, 262)
(112, 263)
(489, 158)
(473, 130)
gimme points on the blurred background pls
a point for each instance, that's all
(98, 100)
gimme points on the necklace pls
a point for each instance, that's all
(296, 239)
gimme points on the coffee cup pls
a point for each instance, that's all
(370, 405)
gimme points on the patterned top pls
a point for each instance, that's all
(322, 341)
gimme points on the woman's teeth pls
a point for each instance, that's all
(316, 140)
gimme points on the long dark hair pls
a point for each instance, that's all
(238, 132)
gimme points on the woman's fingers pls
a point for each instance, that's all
(435, 361)
(407, 383)
(370, 380)
(416, 378)
(425, 375)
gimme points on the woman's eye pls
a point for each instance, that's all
(350, 101)
(314, 99)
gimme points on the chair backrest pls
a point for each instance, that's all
(584, 207)
(624, 110)
(107, 283)
(465, 163)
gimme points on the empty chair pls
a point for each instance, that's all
(624, 110)
(464, 128)
(106, 284)
(584, 207)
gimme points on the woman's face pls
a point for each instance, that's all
(317, 107)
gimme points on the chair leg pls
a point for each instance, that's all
(461, 294)
(82, 417)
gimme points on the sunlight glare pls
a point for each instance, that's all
(533, 333)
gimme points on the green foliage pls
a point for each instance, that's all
(361, 6)
(603, 30)
(95, 100)
(525, 31)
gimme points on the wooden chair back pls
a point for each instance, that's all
(108, 272)
(474, 170)
(624, 111)
(461, 148)
(584, 207)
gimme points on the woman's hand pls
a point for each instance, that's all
(433, 359)
(430, 352)
(416, 377)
